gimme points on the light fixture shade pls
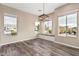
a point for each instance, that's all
(42, 17)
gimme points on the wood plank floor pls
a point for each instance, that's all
(37, 47)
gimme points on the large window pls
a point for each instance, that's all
(62, 25)
(10, 25)
(48, 27)
(37, 26)
(68, 25)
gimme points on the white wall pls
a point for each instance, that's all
(68, 8)
(25, 25)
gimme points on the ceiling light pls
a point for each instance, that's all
(43, 16)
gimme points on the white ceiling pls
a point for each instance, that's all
(34, 7)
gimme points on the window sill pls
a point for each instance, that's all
(47, 35)
(75, 37)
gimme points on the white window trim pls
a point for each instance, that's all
(66, 24)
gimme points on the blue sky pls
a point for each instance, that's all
(71, 20)
(10, 20)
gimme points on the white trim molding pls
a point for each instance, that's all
(67, 45)
(18, 41)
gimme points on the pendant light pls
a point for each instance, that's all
(43, 16)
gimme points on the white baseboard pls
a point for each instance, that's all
(17, 41)
(66, 44)
(41, 38)
(53, 39)
(63, 44)
(50, 38)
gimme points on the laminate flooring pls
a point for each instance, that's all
(37, 47)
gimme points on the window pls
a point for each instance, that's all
(48, 26)
(37, 26)
(68, 25)
(10, 25)
(72, 25)
(62, 26)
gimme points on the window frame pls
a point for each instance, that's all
(51, 26)
(58, 26)
(66, 23)
(13, 16)
(36, 31)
